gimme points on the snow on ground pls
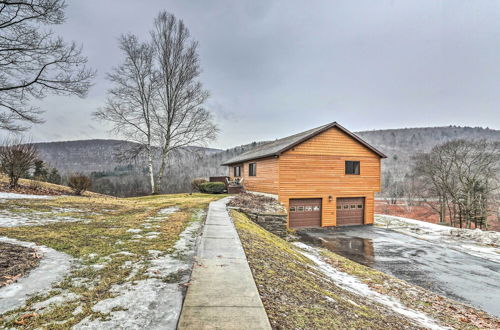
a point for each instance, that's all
(155, 302)
(16, 219)
(352, 284)
(53, 266)
(6, 195)
(480, 243)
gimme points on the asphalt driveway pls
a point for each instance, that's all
(457, 275)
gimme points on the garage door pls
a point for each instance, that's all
(350, 211)
(305, 212)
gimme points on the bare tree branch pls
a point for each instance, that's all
(34, 62)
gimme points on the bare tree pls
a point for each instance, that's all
(461, 178)
(34, 62)
(131, 101)
(17, 159)
(180, 117)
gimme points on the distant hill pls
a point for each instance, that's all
(400, 144)
(115, 177)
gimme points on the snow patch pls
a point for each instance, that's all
(6, 195)
(476, 242)
(56, 300)
(11, 219)
(53, 266)
(152, 303)
(352, 284)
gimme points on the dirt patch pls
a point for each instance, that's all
(257, 203)
(15, 262)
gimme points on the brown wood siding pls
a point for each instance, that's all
(316, 169)
(265, 181)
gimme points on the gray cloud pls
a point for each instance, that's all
(277, 67)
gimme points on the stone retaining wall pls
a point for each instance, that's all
(274, 223)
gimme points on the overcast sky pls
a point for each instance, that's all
(279, 67)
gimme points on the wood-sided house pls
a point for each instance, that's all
(326, 176)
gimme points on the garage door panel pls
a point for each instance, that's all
(305, 212)
(350, 211)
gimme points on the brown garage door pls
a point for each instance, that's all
(305, 212)
(350, 211)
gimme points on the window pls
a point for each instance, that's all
(309, 208)
(300, 209)
(252, 169)
(316, 208)
(237, 170)
(353, 206)
(292, 208)
(352, 167)
(346, 206)
(339, 207)
(360, 206)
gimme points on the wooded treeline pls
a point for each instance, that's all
(459, 180)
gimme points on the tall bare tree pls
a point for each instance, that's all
(157, 99)
(35, 62)
(131, 101)
(181, 118)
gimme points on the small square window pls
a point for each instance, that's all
(339, 207)
(346, 207)
(316, 208)
(352, 167)
(308, 208)
(292, 209)
(300, 209)
(360, 206)
(353, 206)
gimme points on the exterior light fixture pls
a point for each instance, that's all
(330, 198)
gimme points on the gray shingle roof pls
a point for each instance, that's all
(275, 148)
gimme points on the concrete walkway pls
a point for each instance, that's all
(222, 294)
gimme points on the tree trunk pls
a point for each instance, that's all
(151, 171)
(163, 165)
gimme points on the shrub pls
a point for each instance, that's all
(16, 160)
(213, 187)
(79, 183)
(195, 184)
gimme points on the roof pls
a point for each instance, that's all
(277, 147)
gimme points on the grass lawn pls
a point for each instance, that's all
(297, 295)
(105, 244)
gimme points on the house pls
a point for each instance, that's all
(326, 176)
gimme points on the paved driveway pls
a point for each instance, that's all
(457, 275)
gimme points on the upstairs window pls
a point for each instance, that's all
(237, 171)
(352, 167)
(252, 169)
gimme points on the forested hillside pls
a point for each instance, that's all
(100, 158)
(400, 144)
